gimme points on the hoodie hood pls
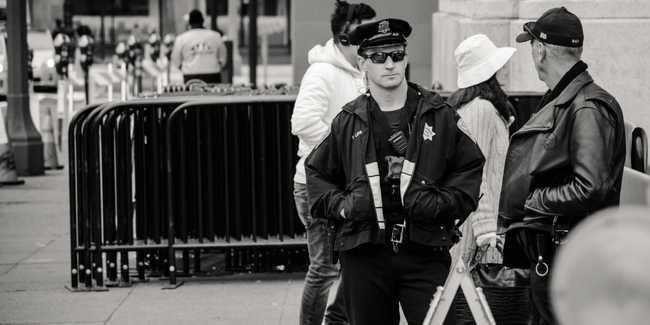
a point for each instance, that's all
(330, 53)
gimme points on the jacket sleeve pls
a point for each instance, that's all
(311, 106)
(591, 154)
(325, 179)
(456, 195)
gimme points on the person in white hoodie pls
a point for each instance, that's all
(331, 81)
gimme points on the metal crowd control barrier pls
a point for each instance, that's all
(230, 165)
(116, 155)
(225, 183)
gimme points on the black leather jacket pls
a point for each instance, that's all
(566, 161)
(440, 180)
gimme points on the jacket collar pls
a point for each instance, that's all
(572, 89)
(359, 106)
(544, 119)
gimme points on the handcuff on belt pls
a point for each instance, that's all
(559, 232)
(541, 268)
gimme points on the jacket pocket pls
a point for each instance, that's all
(357, 204)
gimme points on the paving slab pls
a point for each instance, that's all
(58, 306)
(35, 276)
(230, 300)
(4, 268)
(41, 222)
(57, 250)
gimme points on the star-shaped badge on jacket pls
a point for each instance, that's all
(428, 132)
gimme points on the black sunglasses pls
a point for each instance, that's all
(381, 57)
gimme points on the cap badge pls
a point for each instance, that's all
(542, 35)
(384, 27)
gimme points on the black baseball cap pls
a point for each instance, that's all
(380, 32)
(556, 26)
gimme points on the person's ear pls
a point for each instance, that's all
(361, 63)
(541, 51)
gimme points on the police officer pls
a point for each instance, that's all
(199, 53)
(397, 172)
(566, 162)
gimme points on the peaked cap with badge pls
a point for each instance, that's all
(380, 32)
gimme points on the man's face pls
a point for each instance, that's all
(388, 74)
(538, 53)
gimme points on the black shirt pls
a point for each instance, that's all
(384, 124)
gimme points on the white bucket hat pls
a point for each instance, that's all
(477, 59)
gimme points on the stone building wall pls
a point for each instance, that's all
(617, 43)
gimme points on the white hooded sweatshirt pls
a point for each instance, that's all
(329, 83)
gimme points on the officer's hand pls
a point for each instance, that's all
(356, 204)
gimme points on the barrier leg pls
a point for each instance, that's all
(186, 262)
(111, 268)
(173, 282)
(197, 261)
(124, 265)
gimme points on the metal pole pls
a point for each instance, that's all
(67, 17)
(87, 85)
(23, 136)
(213, 14)
(160, 18)
(252, 42)
(102, 32)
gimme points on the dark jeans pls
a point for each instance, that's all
(322, 271)
(211, 78)
(376, 281)
(535, 243)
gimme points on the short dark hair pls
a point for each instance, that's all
(346, 14)
(196, 18)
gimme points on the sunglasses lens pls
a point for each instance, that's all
(397, 56)
(380, 57)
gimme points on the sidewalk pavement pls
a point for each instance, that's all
(34, 264)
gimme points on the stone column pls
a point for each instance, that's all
(617, 41)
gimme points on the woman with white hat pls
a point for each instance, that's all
(486, 111)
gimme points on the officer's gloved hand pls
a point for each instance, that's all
(488, 239)
(355, 203)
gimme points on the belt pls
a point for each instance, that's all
(424, 249)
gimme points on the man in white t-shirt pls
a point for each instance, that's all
(199, 53)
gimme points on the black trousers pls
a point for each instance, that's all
(534, 244)
(376, 281)
(210, 78)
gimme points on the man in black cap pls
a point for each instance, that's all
(566, 162)
(397, 173)
(199, 53)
